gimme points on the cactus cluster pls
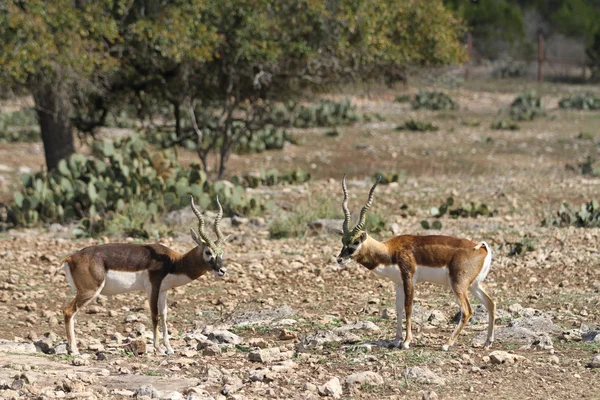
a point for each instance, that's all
(269, 138)
(580, 101)
(417, 126)
(466, 210)
(585, 216)
(272, 177)
(521, 246)
(324, 114)
(434, 101)
(119, 173)
(526, 107)
(510, 69)
(19, 126)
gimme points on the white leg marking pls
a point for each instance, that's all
(487, 263)
(73, 344)
(476, 290)
(162, 311)
(399, 314)
(70, 280)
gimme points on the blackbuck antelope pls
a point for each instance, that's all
(407, 259)
(122, 267)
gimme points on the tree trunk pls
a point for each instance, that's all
(53, 108)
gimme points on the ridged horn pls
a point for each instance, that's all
(220, 236)
(345, 206)
(201, 232)
(363, 213)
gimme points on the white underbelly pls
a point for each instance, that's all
(117, 282)
(436, 275)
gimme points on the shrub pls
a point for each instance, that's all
(581, 101)
(511, 69)
(272, 177)
(586, 167)
(19, 126)
(585, 216)
(521, 246)
(505, 125)
(527, 107)
(388, 177)
(417, 126)
(434, 101)
(120, 173)
(324, 114)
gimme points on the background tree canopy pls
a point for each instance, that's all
(208, 60)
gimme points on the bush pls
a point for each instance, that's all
(505, 125)
(521, 246)
(118, 174)
(585, 216)
(417, 126)
(388, 177)
(19, 126)
(434, 101)
(586, 167)
(511, 69)
(527, 107)
(581, 101)
(324, 114)
(272, 177)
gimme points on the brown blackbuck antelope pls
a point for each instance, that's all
(123, 267)
(407, 259)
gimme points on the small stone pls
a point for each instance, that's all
(310, 387)
(96, 347)
(369, 377)
(211, 350)
(515, 308)
(595, 363)
(287, 335)
(173, 396)
(332, 388)
(223, 336)
(14, 347)
(437, 318)
(80, 361)
(146, 390)
(502, 357)
(265, 355)
(431, 395)
(554, 360)
(61, 349)
(258, 342)
(424, 375)
(572, 335)
(262, 375)
(137, 347)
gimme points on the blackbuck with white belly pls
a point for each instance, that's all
(457, 263)
(111, 269)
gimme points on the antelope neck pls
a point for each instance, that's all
(373, 253)
(191, 264)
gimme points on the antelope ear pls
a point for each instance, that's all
(363, 237)
(195, 237)
(338, 231)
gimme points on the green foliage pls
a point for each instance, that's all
(586, 167)
(272, 177)
(417, 126)
(385, 178)
(19, 126)
(434, 101)
(326, 113)
(521, 246)
(436, 224)
(505, 125)
(585, 216)
(402, 98)
(511, 69)
(119, 177)
(581, 101)
(526, 107)
(269, 138)
(295, 223)
(466, 210)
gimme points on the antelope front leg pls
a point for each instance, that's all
(399, 314)
(408, 303)
(162, 310)
(153, 299)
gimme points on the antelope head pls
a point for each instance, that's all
(353, 239)
(212, 252)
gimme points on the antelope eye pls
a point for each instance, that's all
(356, 243)
(207, 253)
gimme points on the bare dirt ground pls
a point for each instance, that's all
(307, 320)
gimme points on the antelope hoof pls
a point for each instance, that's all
(394, 343)
(487, 345)
(406, 345)
(170, 351)
(446, 347)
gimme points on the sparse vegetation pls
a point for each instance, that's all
(510, 69)
(417, 126)
(585, 216)
(272, 177)
(505, 125)
(434, 101)
(385, 178)
(586, 167)
(580, 101)
(295, 223)
(521, 246)
(526, 107)
(19, 126)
